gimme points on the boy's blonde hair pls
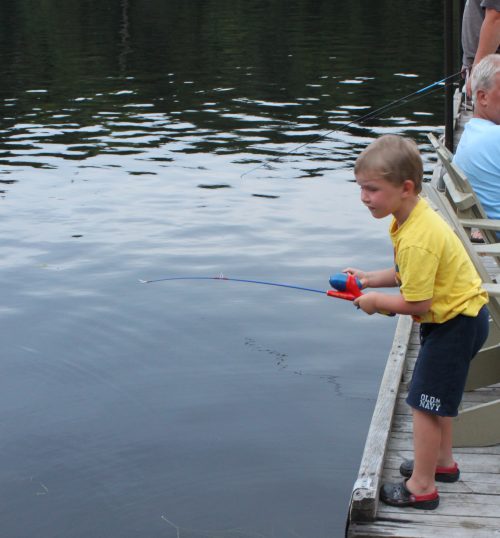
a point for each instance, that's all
(394, 158)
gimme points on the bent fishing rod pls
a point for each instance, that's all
(369, 115)
(345, 285)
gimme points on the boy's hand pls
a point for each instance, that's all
(367, 302)
(358, 273)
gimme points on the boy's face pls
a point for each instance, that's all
(380, 196)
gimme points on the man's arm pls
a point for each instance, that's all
(489, 39)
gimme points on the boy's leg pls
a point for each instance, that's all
(427, 437)
(445, 458)
(419, 491)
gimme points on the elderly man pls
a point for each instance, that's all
(478, 152)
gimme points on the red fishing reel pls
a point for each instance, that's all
(346, 286)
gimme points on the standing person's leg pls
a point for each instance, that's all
(446, 469)
(434, 394)
(445, 458)
(419, 491)
(427, 437)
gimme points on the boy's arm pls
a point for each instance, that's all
(373, 302)
(383, 278)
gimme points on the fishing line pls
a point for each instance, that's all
(222, 277)
(345, 286)
(435, 86)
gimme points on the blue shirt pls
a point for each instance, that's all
(478, 155)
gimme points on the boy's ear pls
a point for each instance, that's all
(408, 187)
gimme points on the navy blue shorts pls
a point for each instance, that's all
(442, 365)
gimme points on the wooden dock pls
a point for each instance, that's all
(468, 508)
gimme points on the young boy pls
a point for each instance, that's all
(440, 288)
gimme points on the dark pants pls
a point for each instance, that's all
(442, 365)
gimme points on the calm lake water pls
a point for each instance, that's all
(204, 408)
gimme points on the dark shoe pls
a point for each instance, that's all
(443, 474)
(399, 495)
(476, 237)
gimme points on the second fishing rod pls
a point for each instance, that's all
(418, 94)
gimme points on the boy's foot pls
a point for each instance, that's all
(399, 495)
(443, 474)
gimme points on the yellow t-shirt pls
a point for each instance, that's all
(432, 263)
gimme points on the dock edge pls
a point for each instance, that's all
(364, 499)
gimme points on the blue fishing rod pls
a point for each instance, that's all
(222, 277)
(345, 286)
(431, 88)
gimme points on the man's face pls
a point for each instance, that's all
(489, 101)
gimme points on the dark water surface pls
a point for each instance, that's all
(192, 409)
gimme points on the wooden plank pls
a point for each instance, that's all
(492, 289)
(457, 176)
(470, 462)
(449, 527)
(438, 145)
(456, 504)
(364, 499)
(492, 249)
(484, 369)
(478, 425)
(482, 395)
(493, 335)
(410, 523)
(462, 200)
(401, 443)
(483, 224)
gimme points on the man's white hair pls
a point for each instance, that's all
(483, 75)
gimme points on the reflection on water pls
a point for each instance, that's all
(193, 409)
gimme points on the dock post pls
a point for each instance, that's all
(449, 70)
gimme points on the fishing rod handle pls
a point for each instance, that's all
(341, 295)
(348, 287)
(346, 282)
